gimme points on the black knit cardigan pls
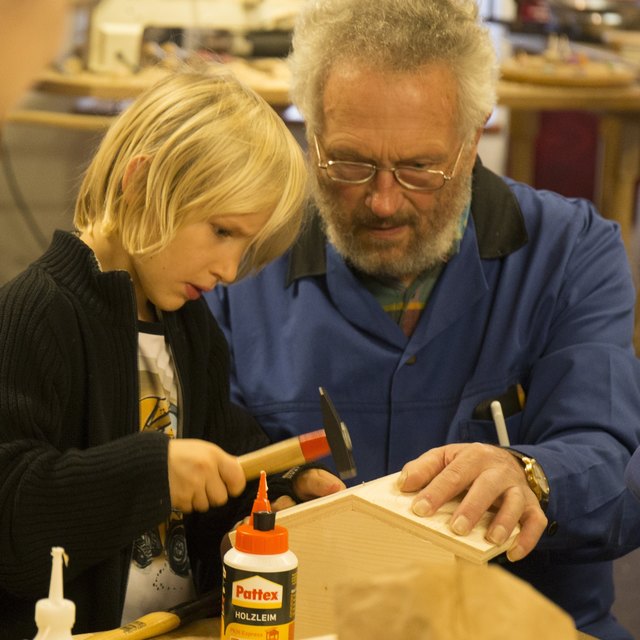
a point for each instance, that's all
(74, 469)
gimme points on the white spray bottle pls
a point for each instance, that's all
(55, 616)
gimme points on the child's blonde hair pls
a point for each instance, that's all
(205, 145)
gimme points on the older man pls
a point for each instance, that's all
(425, 287)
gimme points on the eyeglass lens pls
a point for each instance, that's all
(357, 172)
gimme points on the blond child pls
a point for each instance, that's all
(117, 437)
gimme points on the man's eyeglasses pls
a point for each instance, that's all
(413, 178)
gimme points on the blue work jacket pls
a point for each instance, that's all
(539, 301)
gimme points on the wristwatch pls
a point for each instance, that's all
(536, 478)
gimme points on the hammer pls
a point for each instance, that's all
(159, 622)
(334, 439)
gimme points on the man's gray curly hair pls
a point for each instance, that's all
(394, 36)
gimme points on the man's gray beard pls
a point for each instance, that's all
(435, 246)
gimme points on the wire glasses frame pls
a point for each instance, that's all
(412, 178)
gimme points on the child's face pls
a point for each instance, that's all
(201, 255)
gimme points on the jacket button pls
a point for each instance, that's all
(411, 360)
(552, 529)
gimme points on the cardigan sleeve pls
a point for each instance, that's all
(59, 485)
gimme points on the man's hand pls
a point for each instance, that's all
(492, 477)
(309, 484)
(202, 475)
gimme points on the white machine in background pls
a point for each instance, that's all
(117, 26)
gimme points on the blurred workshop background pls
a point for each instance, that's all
(576, 132)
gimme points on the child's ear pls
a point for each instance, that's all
(135, 164)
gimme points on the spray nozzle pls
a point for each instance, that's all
(55, 616)
(56, 586)
(261, 503)
(262, 536)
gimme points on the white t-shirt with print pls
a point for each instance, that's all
(160, 575)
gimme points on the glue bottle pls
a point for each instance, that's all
(55, 616)
(259, 578)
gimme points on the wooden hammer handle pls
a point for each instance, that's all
(285, 454)
(148, 626)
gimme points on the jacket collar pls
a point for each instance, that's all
(499, 225)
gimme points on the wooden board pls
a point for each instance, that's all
(210, 630)
(269, 77)
(539, 69)
(368, 529)
(394, 507)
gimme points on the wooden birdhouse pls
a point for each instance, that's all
(367, 530)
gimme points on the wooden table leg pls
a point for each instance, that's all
(619, 169)
(523, 131)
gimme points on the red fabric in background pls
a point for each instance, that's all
(566, 153)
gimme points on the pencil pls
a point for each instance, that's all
(501, 425)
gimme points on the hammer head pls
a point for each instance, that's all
(338, 438)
